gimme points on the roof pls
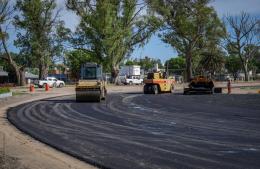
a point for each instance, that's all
(58, 76)
(3, 73)
(29, 75)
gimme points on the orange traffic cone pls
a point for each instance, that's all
(31, 88)
(47, 88)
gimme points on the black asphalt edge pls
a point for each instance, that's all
(34, 136)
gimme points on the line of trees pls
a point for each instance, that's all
(109, 31)
(40, 35)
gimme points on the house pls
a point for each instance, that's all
(30, 78)
(60, 72)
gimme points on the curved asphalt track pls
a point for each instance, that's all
(135, 131)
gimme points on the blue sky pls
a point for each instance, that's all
(155, 48)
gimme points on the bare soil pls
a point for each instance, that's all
(23, 152)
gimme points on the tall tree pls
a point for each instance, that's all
(186, 24)
(39, 29)
(175, 65)
(148, 63)
(233, 65)
(211, 62)
(243, 39)
(75, 59)
(110, 29)
(6, 13)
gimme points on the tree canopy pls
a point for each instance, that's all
(41, 33)
(75, 59)
(243, 38)
(188, 26)
(109, 30)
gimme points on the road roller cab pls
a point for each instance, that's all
(91, 87)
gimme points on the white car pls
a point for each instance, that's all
(133, 80)
(51, 81)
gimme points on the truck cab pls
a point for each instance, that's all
(51, 81)
(133, 79)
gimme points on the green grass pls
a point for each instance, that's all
(4, 90)
(250, 88)
(18, 93)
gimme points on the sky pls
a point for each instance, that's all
(155, 48)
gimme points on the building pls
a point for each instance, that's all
(30, 78)
(60, 72)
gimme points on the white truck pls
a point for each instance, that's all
(130, 70)
(131, 75)
(51, 81)
(131, 80)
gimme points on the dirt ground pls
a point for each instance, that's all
(23, 152)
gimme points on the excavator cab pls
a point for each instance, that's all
(91, 87)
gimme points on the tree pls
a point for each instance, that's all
(75, 59)
(110, 29)
(243, 38)
(211, 62)
(233, 65)
(148, 63)
(177, 63)
(129, 63)
(186, 24)
(5, 15)
(41, 33)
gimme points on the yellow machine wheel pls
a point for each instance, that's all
(88, 96)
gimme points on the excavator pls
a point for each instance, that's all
(91, 86)
(158, 82)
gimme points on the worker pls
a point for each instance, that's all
(229, 86)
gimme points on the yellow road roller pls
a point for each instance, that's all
(92, 86)
(158, 82)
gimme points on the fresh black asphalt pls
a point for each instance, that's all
(136, 131)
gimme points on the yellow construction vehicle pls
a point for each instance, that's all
(200, 84)
(92, 86)
(158, 82)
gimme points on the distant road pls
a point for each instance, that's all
(136, 131)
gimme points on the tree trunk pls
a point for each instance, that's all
(245, 66)
(114, 74)
(234, 75)
(22, 77)
(188, 66)
(43, 71)
(10, 60)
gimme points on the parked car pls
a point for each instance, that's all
(133, 80)
(51, 81)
